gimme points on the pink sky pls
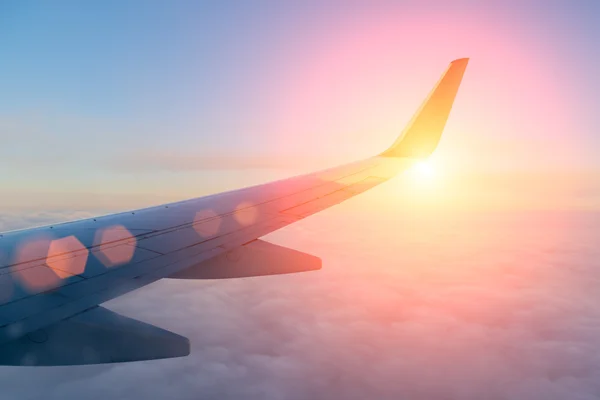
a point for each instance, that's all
(329, 92)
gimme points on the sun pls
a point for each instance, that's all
(423, 171)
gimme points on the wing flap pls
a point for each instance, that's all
(257, 258)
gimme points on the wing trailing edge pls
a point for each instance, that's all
(257, 258)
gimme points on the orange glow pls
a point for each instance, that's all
(245, 214)
(116, 245)
(38, 278)
(207, 223)
(370, 74)
(65, 265)
(423, 172)
(33, 249)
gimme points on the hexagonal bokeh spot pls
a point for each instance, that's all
(32, 249)
(33, 275)
(116, 245)
(207, 223)
(67, 256)
(37, 279)
(245, 214)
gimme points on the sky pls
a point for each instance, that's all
(475, 280)
(124, 104)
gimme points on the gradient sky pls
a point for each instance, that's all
(143, 101)
(113, 104)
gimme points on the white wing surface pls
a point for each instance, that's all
(53, 278)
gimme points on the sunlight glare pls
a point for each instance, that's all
(423, 171)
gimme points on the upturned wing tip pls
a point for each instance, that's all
(423, 133)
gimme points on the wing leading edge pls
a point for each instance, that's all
(53, 278)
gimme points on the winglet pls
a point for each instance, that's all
(422, 134)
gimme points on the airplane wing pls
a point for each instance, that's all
(53, 278)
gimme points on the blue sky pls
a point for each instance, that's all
(115, 96)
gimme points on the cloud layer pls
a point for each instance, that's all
(469, 306)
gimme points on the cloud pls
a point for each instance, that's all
(21, 220)
(455, 306)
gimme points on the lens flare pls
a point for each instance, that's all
(423, 171)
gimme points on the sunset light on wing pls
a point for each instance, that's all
(300, 200)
